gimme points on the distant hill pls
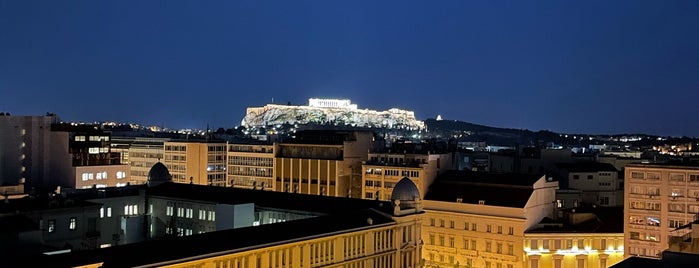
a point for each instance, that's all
(465, 131)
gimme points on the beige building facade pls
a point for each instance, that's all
(323, 167)
(383, 170)
(197, 162)
(251, 166)
(658, 199)
(573, 249)
(479, 220)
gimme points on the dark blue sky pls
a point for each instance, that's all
(569, 66)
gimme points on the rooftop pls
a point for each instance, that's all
(270, 199)
(607, 220)
(495, 189)
(587, 167)
(218, 243)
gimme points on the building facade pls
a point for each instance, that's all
(658, 198)
(251, 166)
(197, 162)
(322, 163)
(475, 219)
(383, 170)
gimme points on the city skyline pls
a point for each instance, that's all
(594, 67)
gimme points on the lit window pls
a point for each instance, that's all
(101, 212)
(169, 211)
(52, 226)
(73, 223)
(109, 212)
(120, 174)
(94, 150)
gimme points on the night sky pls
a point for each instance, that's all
(600, 67)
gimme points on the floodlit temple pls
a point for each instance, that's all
(330, 111)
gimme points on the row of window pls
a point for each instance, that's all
(473, 226)
(676, 177)
(470, 244)
(602, 244)
(469, 262)
(646, 236)
(72, 225)
(92, 138)
(179, 148)
(251, 161)
(394, 172)
(205, 215)
(101, 175)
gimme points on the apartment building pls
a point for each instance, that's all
(251, 165)
(140, 153)
(658, 199)
(383, 170)
(196, 162)
(598, 183)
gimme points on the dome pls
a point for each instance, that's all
(158, 174)
(405, 190)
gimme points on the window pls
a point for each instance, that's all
(441, 240)
(109, 212)
(498, 248)
(465, 243)
(212, 215)
(510, 249)
(466, 226)
(637, 175)
(101, 212)
(431, 221)
(676, 177)
(441, 223)
(675, 223)
(589, 177)
(451, 224)
(511, 230)
(488, 228)
(487, 246)
(189, 213)
(473, 245)
(604, 200)
(431, 239)
(202, 214)
(169, 210)
(451, 242)
(180, 212)
(534, 244)
(473, 227)
(73, 224)
(120, 174)
(52, 226)
(499, 229)
(576, 177)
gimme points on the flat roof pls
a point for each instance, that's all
(159, 252)
(270, 199)
(609, 220)
(587, 166)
